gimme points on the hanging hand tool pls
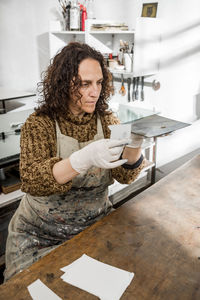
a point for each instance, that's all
(133, 91)
(142, 89)
(129, 86)
(122, 90)
(137, 91)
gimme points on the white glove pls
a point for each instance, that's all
(102, 154)
(136, 141)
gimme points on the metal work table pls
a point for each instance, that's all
(10, 150)
(149, 125)
(8, 94)
(155, 235)
(10, 146)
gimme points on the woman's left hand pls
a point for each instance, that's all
(136, 141)
(132, 154)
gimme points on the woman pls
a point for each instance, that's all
(67, 160)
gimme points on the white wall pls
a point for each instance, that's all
(21, 22)
(24, 41)
(179, 75)
(17, 51)
(24, 50)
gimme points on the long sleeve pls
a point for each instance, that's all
(126, 176)
(38, 155)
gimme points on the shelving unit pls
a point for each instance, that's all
(103, 41)
(145, 37)
(106, 41)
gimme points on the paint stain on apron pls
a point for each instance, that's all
(40, 224)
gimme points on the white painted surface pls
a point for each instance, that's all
(147, 46)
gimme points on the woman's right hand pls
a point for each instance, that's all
(102, 154)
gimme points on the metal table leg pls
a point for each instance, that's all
(3, 107)
(153, 172)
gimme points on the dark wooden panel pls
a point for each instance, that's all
(156, 235)
(6, 214)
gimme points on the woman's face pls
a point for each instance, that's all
(91, 76)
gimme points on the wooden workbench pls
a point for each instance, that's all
(156, 235)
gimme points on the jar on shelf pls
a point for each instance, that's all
(74, 16)
(90, 9)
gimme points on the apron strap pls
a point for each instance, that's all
(99, 127)
(99, 134)
(58, 133)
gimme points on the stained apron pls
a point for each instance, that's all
(40, 224)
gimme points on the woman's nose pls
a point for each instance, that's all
(95, 89)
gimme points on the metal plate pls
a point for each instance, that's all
(156, 126)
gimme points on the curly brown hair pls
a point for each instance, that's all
(61, 78)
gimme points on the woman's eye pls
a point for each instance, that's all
(85, 84)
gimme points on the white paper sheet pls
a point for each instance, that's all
(120, 131)
(104, 281)
(39, 291)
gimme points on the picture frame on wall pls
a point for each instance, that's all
(149, 10)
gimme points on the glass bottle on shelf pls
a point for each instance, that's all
(74, 16)
(67, 16)
(90, 9)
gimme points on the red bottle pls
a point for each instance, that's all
(83, 18)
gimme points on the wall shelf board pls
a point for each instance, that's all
(111, 32)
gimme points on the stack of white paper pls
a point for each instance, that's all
(104, 281)
(39, 291)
